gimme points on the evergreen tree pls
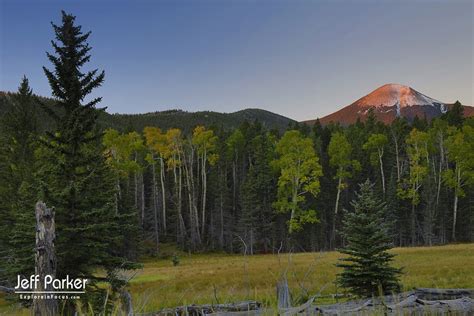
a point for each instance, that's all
(235, 144)
(455, 115)
(367, 270)
(258, 192)
(74, 177)
(20, 124)
(420, 124)
(17, 191)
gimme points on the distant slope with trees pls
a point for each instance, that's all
(175, 118)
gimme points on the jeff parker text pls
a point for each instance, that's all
(67, 284)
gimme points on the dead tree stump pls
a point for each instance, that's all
(283, 294)
(45, 258)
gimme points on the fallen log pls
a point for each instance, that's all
(199, 310)
(440, 294)
(298, 309)
(413, 302)
(409, 302)
(460, 302)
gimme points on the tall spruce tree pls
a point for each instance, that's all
(367, 270)
(73, 175)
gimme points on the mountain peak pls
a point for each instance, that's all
(393, 86)
(388, 102)
(394, 94)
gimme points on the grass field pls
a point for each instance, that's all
(218, 278)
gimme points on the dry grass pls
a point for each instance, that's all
(218, 278)
(222, 278)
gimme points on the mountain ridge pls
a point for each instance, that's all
(174, 118)
(388, 102)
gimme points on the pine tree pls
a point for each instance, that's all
(455, 115)
(257, 193)
(17, 190)
(74, 177)
(367, 270)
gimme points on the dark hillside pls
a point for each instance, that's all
(183, 120)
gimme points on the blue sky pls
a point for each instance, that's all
(301, 59)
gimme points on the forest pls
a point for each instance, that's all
(120, 193)
(214, 188)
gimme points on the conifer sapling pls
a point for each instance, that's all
(367, 269)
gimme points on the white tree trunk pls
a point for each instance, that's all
(293, 206)
(178, 195)
(455, 211)
(204, 193)
(381, 171)
(193, 210)
(455, 208)
(333, 232)
(338, 195)
(397, 157)
(163, 194)
(155, 207)
(441, 161)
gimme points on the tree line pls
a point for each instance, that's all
(218, 189)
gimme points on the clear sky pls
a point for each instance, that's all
(301, 59)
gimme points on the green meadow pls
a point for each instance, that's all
(220, 278)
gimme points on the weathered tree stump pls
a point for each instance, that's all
(45, 258)
(127, 302)
(283, 294)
